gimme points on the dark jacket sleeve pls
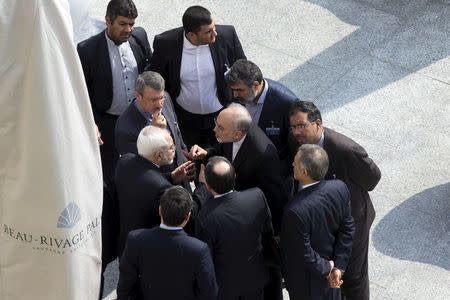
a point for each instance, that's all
(129, 270)
(344, 239)
(206, 277)
(364, 171)
(238, 51)
(298, 228)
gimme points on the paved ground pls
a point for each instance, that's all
(380, 72)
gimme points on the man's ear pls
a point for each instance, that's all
(237, 134)
(159, 211)
(108, 20)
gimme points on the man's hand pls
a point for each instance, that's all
(99, 136)
(159, 120)
(335, 278)
(196, 153)
(185, 171)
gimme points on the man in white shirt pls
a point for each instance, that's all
(193, 59)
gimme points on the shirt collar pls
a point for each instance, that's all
(164, 226)
(320, 142)
(111, 42)
(262, 98)
(310, 184)
(220, 195)
(188, 45)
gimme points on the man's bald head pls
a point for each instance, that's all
(220, 175)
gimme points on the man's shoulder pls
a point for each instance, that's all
(92, 41)
(169, 35)
(260, 143)
(280, 92)
(340, 143)
(227, 29)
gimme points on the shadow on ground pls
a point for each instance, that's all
(411, 35)
(418, 229)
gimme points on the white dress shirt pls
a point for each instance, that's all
(124, 71)
(198, 93)
(236, 146)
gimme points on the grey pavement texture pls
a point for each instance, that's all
(380, 72)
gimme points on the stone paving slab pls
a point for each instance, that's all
(380, 73)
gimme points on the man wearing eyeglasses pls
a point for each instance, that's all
(349, 162)
(152, 106)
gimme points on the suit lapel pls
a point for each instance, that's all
(178, 56)
(216, 59)
(137, 52)
(103, 60)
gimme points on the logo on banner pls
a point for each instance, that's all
(69, 216)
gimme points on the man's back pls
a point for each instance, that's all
(171, 265)
(139, 186)
(317, 227)
(233, 226)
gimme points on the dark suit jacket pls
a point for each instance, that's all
(275, 114)
(168, 265)
(350, 163)
(131, 122)
(168, 48)
(94, 57)
(257, 165)
(317, 227)
(139, 185)
(233, 226)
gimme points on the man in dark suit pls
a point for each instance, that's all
(350, 163)
(192, 59)
(164, 261)
(152, 106)
(140, 181)
(111, 62)
(233, 225)
(255, 160)
(317, 230)
(267, 101)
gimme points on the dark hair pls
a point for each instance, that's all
(220, 182)
(244, 70)
(308, 108)
(314, 159)
(194, 17)
(124, 8)
(176, 203)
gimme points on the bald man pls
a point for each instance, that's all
(233, 224)
(256, 162)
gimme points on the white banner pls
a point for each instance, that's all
(50, 172)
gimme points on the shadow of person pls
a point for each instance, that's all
(418, 229)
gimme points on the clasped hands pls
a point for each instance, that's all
(335, 277)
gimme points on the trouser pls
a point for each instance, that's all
(252, 295)
(356, 277)
(273, 290)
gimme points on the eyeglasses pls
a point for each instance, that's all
(156, 99)
(301, 126)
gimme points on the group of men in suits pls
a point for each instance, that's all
(162, 120)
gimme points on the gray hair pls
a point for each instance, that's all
(152, 139)
(313, 159)
(241, 117)
(150, 79)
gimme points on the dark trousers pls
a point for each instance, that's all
(106, 124)
(356, 277)
(252, 295)
(273, 289)
(196, 129)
